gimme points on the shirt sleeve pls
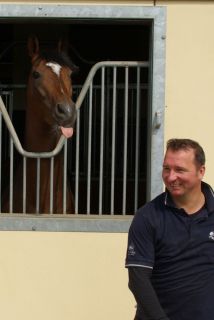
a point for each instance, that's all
(140, 249)
(148, 304)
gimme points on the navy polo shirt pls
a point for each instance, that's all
(179, 248)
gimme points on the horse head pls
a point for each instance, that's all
(50, 105)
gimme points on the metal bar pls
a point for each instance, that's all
(89, 85)
(125, 141)
(24, 184)
(11, 105)
(89, 150)
(38, 186)
(105, 64)
(11, 176)
(137, 140)
(0, 161)
(65, 178)
(51, 183)
(113, 139)
(12, 86)
(101, 140)
(18, 144)
(77, 162)
(79, 101)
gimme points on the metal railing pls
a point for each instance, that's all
(108, 100)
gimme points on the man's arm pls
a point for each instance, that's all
(144, 293)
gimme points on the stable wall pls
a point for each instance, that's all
(190, 76)
(81, 276)
(63, 276)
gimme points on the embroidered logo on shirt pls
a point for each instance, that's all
(131, 250)
(211, 235)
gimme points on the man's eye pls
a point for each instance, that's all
(180, 170)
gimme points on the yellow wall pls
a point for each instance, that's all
(190, 76)
(81, 276)
(67, 276)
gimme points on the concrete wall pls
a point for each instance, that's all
(81, 276)
(63, 276)
(190, 75)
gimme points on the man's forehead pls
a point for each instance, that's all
(179, 155)
(180, 151)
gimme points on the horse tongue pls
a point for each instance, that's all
(67, 132)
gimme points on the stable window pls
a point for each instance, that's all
(114, 159)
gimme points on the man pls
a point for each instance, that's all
(170, 255)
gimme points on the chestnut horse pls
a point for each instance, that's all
(50, 113)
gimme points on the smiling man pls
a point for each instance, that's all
(170, 255)
(183, 170)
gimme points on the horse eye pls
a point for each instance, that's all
(36, 74)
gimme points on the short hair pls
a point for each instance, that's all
(187, 144)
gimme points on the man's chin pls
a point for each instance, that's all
(176, 192)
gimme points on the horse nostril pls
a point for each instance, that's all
(60, 110)
(65, 112)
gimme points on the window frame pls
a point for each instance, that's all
(157, 16)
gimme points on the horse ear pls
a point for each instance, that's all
(33, 47)
(63, 46)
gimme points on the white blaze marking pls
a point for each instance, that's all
(55, 67)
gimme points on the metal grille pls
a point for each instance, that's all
(105, 162)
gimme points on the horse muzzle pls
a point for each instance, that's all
(66, 114)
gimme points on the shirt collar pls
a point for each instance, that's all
(207, 191)
(209, 196)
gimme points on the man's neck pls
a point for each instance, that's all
(191, 203)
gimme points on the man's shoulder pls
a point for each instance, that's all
(152, 207)
(157, 201)
(209, 196)
(151, 216)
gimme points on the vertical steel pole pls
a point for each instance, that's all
(77, 162)
(51, 183)
(38, 186)
(113, 139)
(11, 175)
(65, 177)
(24, 184)
(101, 141)
(125, 140)
(137, 140)
(89, 150)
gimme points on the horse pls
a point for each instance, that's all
(50, 113)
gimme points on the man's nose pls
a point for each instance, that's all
(172, 175)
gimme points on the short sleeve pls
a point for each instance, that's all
(140, 249)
